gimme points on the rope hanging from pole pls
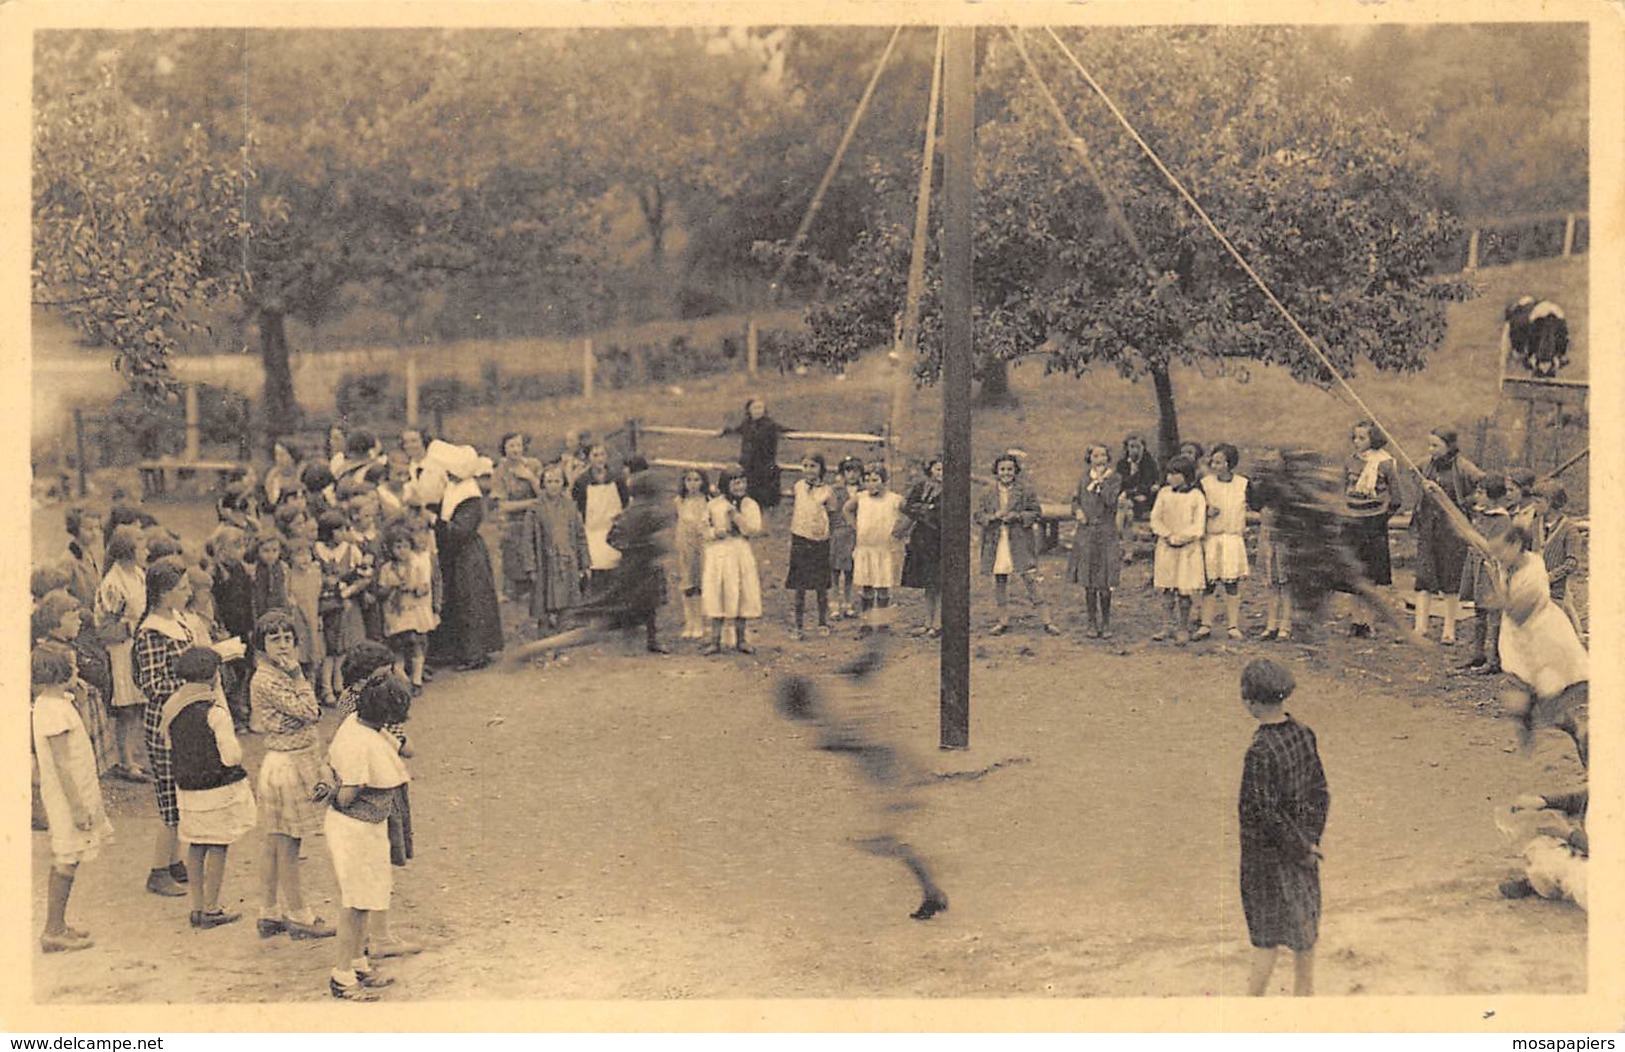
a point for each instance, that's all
(1241, 261)
(834, 164)
(1114, 208)
(910, 329)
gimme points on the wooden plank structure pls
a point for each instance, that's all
(637, 431)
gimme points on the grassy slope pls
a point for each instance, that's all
(1057, 415)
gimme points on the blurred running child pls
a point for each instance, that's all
(1272, 556)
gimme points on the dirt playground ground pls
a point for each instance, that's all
(627, 826)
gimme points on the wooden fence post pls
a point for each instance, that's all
(192, 428)
(1472, 251)
(79, 445)
(439, 422)
(1568, 235)
(632, 435)
(412, 389)
(587, 363)
(1481, 435)
(752, 346)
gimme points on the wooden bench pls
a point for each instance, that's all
(155, 473)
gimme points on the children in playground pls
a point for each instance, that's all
(878, 517)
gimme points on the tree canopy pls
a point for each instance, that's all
(1341, 219)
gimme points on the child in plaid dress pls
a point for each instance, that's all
(285, 712)
(1283, 805)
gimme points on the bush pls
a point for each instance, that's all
(536, 387)
(700, 303)
(443, 394)
(371, 396)
(136, 427)
(783, 349)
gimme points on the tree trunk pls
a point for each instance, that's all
(994, 377)
(1167, 413)
(282, 412)
(652, 200)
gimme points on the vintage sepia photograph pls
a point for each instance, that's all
(810, 510)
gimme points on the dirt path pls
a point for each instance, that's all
(626, 826)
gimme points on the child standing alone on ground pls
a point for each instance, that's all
(1283, 805)
(877, 514)
(217, 807)
(69, 788)
(809, 541)
(1178, 518)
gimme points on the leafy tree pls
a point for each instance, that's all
(673, 114)
(1338, 214)
(389, 159)
(129, 225)
(1501, 110)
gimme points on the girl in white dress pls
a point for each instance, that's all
(1224, 550)
(878, 513)
(1178, 518)
(731, 585)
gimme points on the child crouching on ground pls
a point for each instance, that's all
(217, 807)
(1283, 806)
(69, 788)
(367, 770)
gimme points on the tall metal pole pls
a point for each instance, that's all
(959, 207)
